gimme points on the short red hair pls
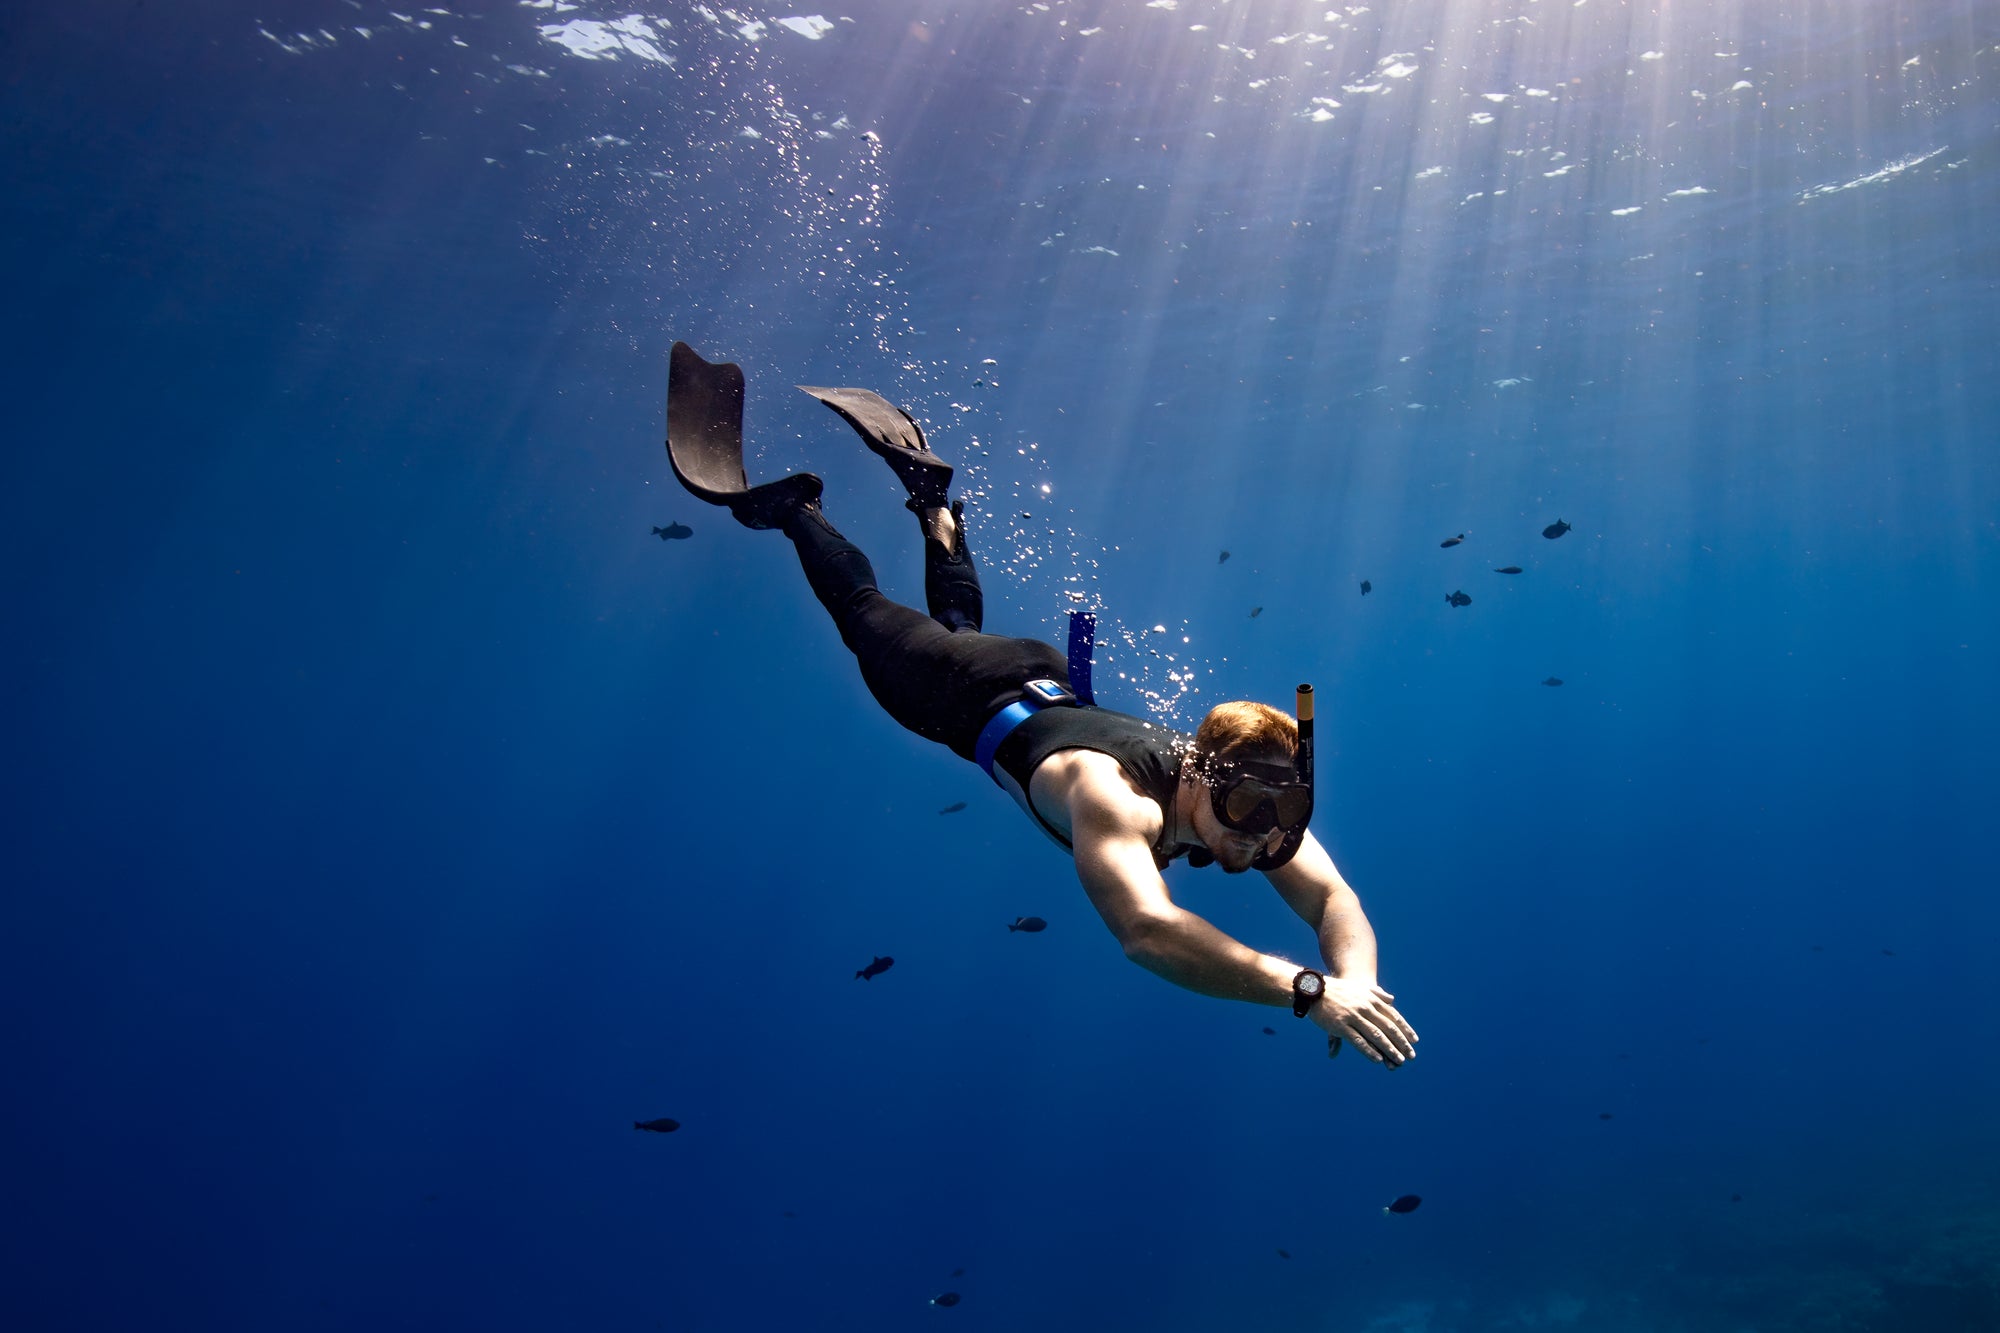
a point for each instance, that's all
(1241, 729)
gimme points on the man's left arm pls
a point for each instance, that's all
(1355, 1006)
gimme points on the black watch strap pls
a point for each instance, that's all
(1307, 993)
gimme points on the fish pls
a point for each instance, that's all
(1256, 611)
(1222, 559)
(1553, 681)
(1270, 1032)
(953, 808)
(958, 1272)
(1457, 599)
(1406, 1203)
(1508, 569)
(660, 1126)
(1555, 529)
(1366, 587)
(1604, 1115)
(673, 532)
(1031, 924)
(948, 1298)
(1450, 542)
(1736, 1198)
(1284, 1254)
(875, 969)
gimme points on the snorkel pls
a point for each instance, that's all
(1302, 764)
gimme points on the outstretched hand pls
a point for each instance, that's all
(1361, 1013)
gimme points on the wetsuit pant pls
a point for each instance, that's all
(937, 674)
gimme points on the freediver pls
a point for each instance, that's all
(1125, 797)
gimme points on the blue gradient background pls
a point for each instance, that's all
(390, 821)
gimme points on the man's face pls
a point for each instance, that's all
(1233, 850)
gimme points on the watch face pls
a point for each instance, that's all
(1309, 983)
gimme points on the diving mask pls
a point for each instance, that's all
(1256, 798)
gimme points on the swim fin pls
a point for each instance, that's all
(705, 443)
(895, 435)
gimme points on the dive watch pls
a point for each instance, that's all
(1307, 987)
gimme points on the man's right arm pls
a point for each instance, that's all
(1112, 831)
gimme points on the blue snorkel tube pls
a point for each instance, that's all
(1044, 693)
(1082, 641)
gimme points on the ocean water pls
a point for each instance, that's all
(391, 819)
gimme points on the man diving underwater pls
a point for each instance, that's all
(1124, 796)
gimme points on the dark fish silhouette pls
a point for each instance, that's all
(1450, 542)
(1270, 1032)
(1405, 1204)
(1284, 1254)
(1736, 1198)
(1555, 529)
(1031, 924)
(953, 808)
(1458, 599)
(1553, 680)
(946, 1298)
(875, 969)
(1888, 953)
(958, 1272)
(673, 532)
(1366, 587)
(1223, 558)
(1256, 611)
(1508, 569)
(1604, 1115)
(660, 1126)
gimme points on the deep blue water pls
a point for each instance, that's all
(391, 820)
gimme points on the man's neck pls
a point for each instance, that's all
(1180, 831)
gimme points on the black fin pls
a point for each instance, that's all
(894, 435)
(705, 443)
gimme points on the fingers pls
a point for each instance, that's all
(1371, 1041)
(1383, 1037)
(1409, 1033)
(1388, 1011)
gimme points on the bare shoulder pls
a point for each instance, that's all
(1095, 795)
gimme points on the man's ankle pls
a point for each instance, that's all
(940, 523)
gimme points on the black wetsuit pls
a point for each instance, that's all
(943, 679)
